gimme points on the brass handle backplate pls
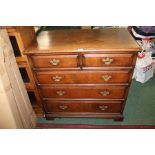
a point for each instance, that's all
(63, 107)
(60, 92)
(57, 78)
(54, 62)
(103, 107)
(104, 93)
(107, 61)
(106, 77)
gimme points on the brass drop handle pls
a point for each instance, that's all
(106, 77)
(104, 93)
(103, 107)
(107, 61)
(63, 107)
(57, 78)
(60, 92)
(54, 62)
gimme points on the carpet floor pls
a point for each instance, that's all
(139, 109)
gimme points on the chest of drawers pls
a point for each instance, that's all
(83, 73)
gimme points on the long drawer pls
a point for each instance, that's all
(105, 92)
(83, 106)
(103, 60)
(55, 61)
(83, 77)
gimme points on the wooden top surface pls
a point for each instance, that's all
(108, 39)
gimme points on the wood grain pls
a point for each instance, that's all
(79, 106)
(65, 61)
(83, 77)
(83, 40)
(94, 92)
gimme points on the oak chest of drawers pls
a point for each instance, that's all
(83, 73)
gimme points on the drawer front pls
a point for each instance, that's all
(55, 61)
(83, 77)
(103, 60)
(83, 106)
(107, 92)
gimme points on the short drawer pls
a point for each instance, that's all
(103, 60)
(83, 77)
(83, 106)
(55, 61)
(105, 92)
